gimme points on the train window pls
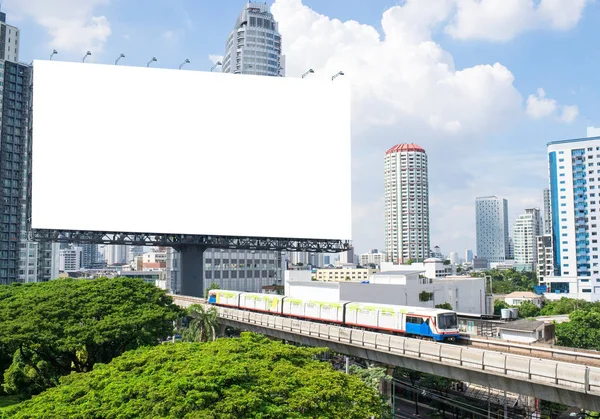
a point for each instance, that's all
(414, 320)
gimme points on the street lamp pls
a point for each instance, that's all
(87, 54)
(339, 73)
(218, 63)
(309, 71)
(119, 57)
(54, 52)
(151, 61)
(187, 61)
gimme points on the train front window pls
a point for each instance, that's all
(447, 321)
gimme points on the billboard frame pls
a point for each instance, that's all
(179, 240)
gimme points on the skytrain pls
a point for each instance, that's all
(429, 323)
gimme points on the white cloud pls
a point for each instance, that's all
(403, 75)
(569, 113)
(502, 20)
(406, 88)
(72, 24)
(538, 106)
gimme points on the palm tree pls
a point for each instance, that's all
(203, 326)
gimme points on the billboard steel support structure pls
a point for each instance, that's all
(190, 247)
(179, 240)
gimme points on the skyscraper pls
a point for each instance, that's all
(575, 200)
(547, 212)
(491, 223)
(468, 255)
(90, 255)
(9, 40)
(20, 259)
(406, 189)
(254, 44)
(525, 232)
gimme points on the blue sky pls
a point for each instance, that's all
(453, 76)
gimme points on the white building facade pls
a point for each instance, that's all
(574, 168)
(464, 294)
(491, 222)
(525, 232)
(254, 45)
(406, 189)
(9, 39)
(374, 257)
(545, 257)
(71, 259)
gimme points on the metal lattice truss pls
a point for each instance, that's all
(180, 240)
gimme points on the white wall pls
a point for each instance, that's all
(465, 296)
(518, 336)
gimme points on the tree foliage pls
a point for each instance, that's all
(445, 306)
(581, 331)
(371, 375)
(203, 324)
(249, 377)
(56, 327)
(528, 309)
(511, 280)
(567, 306)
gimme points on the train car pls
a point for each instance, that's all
(437, 324)
(224, 298)
(267, 303)
(325, 311)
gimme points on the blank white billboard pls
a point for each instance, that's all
(128, 149)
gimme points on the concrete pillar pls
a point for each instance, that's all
(221, 332)
(191, 270)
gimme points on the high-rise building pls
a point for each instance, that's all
(116, 254)
(547, 212)
(252, 47)
(525, 232)
(545, 262)
(20, 259)
(374, 257)
(71, 259)
(491, 223)
(90, 256)
(574, 167)
(9, 40)
(453, 258)
(406, 189)
(254, 44)
(347, 256)
(468, 255)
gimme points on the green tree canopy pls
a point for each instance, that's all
(66, 325)
(582, 331)
(528, 309)
(248, 377)
(507, 281)
(203, 324)
(445, 306)
(565, 306)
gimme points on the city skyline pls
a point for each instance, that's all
(510, 133)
